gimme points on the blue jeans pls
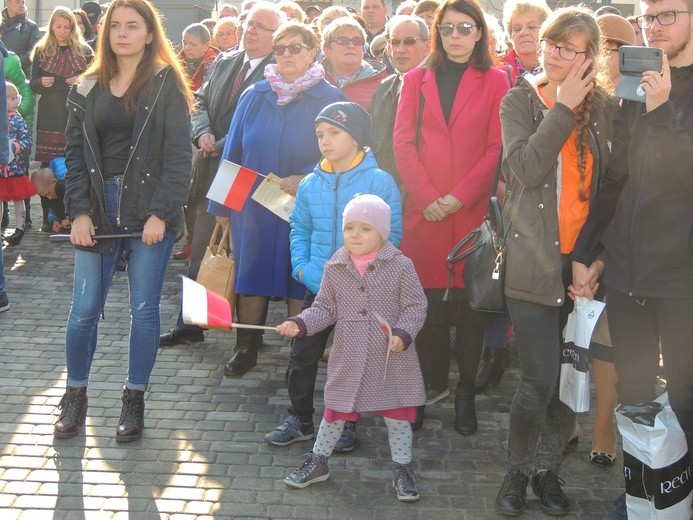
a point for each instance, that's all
(93, 274)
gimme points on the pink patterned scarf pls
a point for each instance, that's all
(286, 92)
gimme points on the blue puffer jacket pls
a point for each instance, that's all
(316, 221)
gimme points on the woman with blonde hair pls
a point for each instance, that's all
(556, 127)
(128, 161)
(58, 59)
(225, 33)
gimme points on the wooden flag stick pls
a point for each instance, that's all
(257, 327)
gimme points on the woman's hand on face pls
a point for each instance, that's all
(449, 204)
(657, 86)
(288, 329)
(290, 184)
(47, 81)
(154, 230)
(82, 231)
(396, 344)
(577, 83)
(434, 212)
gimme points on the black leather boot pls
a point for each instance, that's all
(244, 357)
(465, 413)
(491, 369)
(131, 421)
(73, 413)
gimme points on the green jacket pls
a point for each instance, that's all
(533, 137)
(15, 75)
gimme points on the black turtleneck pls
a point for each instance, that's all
(448, 79)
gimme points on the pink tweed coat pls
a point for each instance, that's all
(391, 289)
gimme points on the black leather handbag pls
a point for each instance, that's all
(483, 249)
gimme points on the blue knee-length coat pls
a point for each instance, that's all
(266, 137)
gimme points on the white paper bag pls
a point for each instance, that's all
(656, 466)
(574, 386)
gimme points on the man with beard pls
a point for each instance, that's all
(643, 217)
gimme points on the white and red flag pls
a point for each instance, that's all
(232, 185)
(209, 310)
(204, 307)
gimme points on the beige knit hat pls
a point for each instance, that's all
(616, 28)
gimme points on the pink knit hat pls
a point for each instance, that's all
(371, 210)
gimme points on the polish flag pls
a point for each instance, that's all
(204, 307)
(232, 185)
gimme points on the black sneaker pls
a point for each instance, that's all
(512, 496)
(404, 482)
(4, 302)
(547, 486)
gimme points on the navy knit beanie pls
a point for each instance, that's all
(351, 118)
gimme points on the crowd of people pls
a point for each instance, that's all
(387, 131)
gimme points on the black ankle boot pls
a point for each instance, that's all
(465, 414)
(131, 421)
(491, 368)
(245, 354)
(73, 413)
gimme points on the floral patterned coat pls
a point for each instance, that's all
(356, 377)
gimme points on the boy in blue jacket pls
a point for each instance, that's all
(347, 168)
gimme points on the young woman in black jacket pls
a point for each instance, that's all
(129, 160)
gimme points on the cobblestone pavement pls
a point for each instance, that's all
(202, 454)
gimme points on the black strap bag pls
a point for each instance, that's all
(484, 250)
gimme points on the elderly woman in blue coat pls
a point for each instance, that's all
(273, 131)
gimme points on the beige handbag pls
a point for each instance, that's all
(218, 267)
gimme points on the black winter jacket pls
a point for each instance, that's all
(156, 180)
(383, 110)
(19, 34)
(643, 212)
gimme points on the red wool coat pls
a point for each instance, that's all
(457, 158)
(356, 372)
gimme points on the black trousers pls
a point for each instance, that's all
(638, 327)
(303, 368)
(433, 341)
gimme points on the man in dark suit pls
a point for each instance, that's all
(216, 102)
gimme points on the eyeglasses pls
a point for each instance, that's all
(294, 48)
(257, 25)
(356, 41)
(567, 54)
(409, 41)
(463, 29)
(666, 18)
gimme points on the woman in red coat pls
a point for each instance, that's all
(447, 168)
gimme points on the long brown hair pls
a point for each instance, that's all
(480, 58)
(48, 45)
(559, 27)
(157, 54)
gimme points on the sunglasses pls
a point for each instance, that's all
(356, 41)
(463, 29)
(409, 42)
(294, 48)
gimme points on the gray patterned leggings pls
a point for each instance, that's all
(399, 435)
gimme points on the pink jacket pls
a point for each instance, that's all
(356, 372)
(458, 158)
